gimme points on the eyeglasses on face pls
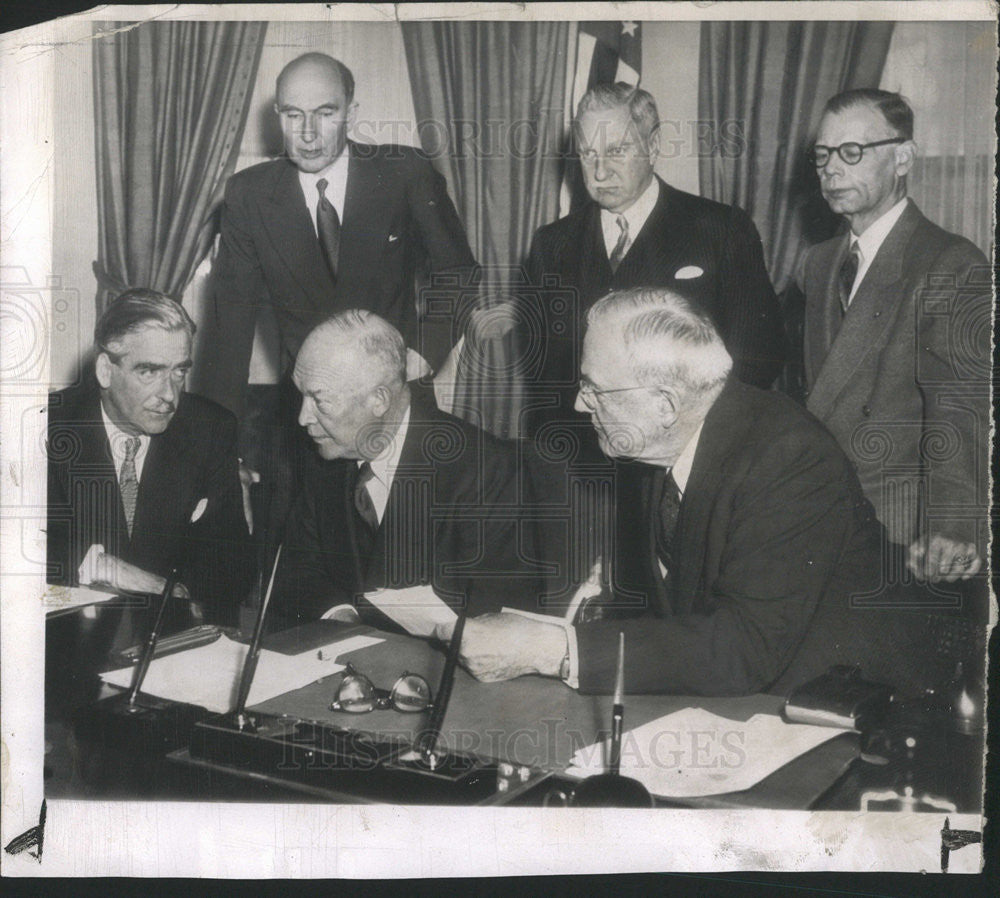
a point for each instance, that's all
(357, 694)
(850, 152)
(588, 393)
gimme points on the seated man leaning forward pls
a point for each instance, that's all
(737, 517)
(407, 495)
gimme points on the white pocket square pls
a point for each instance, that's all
(199, 509)
(393, 238)
(688, 272)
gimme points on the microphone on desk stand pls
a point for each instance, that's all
(427, 741)
(150, 648)
(611, 789)
(253, 653)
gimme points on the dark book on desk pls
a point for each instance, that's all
(839, 698)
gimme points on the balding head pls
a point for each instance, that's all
(314, 97)
(351, 371)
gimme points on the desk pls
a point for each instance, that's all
(532, 722)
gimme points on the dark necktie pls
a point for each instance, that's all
(128, 483)
(848, 272)
(666, 513)
(328, 228)
(363, 499)
(621, 247)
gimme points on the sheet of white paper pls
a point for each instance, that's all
(417, 609)
(693, 752)
(210, 674)
(58, 599)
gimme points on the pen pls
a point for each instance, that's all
(618, 711)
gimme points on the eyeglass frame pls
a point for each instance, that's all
(382, 698)
(590, 391)
(838, 150)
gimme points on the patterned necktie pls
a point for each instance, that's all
(621, 247)
(328, 227)
(667, 511)
(848, 272)
(363, 499)
(128, 483)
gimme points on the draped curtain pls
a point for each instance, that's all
(767, 83)
(763, 85)
(489, 99)
(947, 70)
(171, 101)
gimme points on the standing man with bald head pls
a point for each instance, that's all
(331, 225)
(897, 340)
(405, 495)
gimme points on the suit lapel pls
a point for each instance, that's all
(289, 225)
(362, 224)
(870, 313)
(653, 249)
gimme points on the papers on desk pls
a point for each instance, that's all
(60, 599)
(693, 753)
(417, 609)
(209, 676)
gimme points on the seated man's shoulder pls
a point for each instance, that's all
(256, 176)
(770, 423)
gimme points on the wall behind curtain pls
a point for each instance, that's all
(947, 70)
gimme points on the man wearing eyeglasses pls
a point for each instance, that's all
(897, 340)
(742, 537)
(639, 231)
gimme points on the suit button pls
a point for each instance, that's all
(866, 410)
(877, 314)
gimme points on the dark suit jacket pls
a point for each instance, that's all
(193, 459)
(773, 526)
(454, 519)
(902, 380)
(569, 270)
(397, 218)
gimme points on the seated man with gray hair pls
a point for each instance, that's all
(740, 530)
(405, 495)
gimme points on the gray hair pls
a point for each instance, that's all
(640, 103)
(669, 341)
(381, 344)
(135, 310)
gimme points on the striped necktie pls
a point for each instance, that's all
(128, 483)
(621, 247)
(848, 272)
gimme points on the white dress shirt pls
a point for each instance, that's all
(635, 215)
(384, 467)
(117, 438)
(336, 187)
(871, 241)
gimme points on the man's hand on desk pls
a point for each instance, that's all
(943, 558)
(110, 572)
(499, 647)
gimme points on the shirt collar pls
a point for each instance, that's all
(118, 440)
(682, 467)
(385, 463)
(875, 234)
(636, 214)
(336, 177)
